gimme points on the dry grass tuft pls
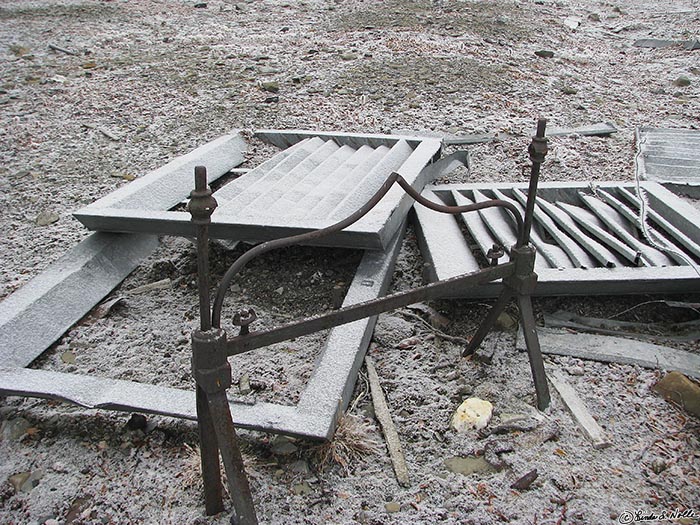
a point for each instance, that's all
(351, 441)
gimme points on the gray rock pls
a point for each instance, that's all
(392, 507)
(391, 329)
(46, 217)
(544, 53)
(18, 480)
(300, 467)
(13, 429)
(468, 465)
(283, 447)
(271, 86)
(302, 489)
(244, 385)
(506, 322)
(682, 81)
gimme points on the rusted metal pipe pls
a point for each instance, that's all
(537, 151)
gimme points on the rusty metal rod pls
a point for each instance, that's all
(537, 151)
(201, 206)
(253, 340)
(240, 263)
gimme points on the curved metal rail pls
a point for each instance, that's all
(240, 263)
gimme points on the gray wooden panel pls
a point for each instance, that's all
(669, 155)
(368, 185)
(418, 170)
(340, 189)
(168, 185)
(286, 198)
(311, 190)
(283, 196)
(234, 187)
(300, 161)
(621, 279)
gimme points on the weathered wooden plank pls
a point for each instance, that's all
(391, 436)
(39, 313)
(285, 138)
(222, 227)
(609, 349)
(598, 129)
(168, 185)
(578, 409)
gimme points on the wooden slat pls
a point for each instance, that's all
(580, 257)
(554, 255)
(368, 185)
(442, 242)
(611, 219)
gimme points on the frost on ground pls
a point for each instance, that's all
(147, 81)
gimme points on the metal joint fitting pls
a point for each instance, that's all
(202, 204)
(210, 368)
(522, 284)
(537, 149)
(524, 258)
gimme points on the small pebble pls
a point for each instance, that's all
(392, 507)
(682, 81)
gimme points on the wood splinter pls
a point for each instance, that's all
(391, 436)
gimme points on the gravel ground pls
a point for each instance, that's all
(153, 79)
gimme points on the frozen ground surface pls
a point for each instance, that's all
(161, 77)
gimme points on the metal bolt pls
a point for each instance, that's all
(495, 253)
(243, 319)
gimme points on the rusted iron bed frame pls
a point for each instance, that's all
(211, 347)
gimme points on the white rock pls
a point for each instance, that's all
(572, 22)
(473, 413)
